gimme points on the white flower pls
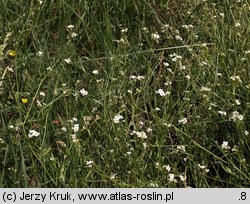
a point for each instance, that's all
(70, 27)
(172, 178)
(149, 130)
(74, 138)
(74, 119)
(33, 133)
(182, 67)
(181, 147)
(83, 92)
(201, 166)
(205, 89)
(42, 93)
(236, 78)
(183, 121)
(141, 134)
(40, 53)
(89, 163)
(188, 27)
(75, 128)
(73, 35)
(118, 118)
(145, 29)
(113, 176)
(165, 64)
(68, 60)
(182, 178)
(170, 70)
(225, 145)
(235, 148)
(177, 37)
(140, 78)
(167, 167)
(237, 101)
(155, 36)
(153, 185)
(162, 93)
(175, 57)
(222, 112)
(124, 30)
(64, 129)
(237, 24)
(137, 77)
(52, 158)
(165, 28)
(95, 71)
(133, 77)
(40, 104)
(204, 168)
(222, 15)
(49, 68)
(236, 116)
(168, 83)
(246, 133)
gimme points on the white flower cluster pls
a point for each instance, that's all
(83, 92)
(118, 118)
(139, 78)
(174, 57)
(183, 121)
(33, 133)
(225, 145)
(236, 116)
(162, 93)
(141, 134)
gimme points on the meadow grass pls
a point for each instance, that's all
(125, 93)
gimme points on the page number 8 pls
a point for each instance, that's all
(243, 196)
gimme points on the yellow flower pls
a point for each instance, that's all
(11, 53)
(24, 100)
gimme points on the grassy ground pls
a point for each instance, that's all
(125, 93)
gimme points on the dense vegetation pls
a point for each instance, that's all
(125, 93)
